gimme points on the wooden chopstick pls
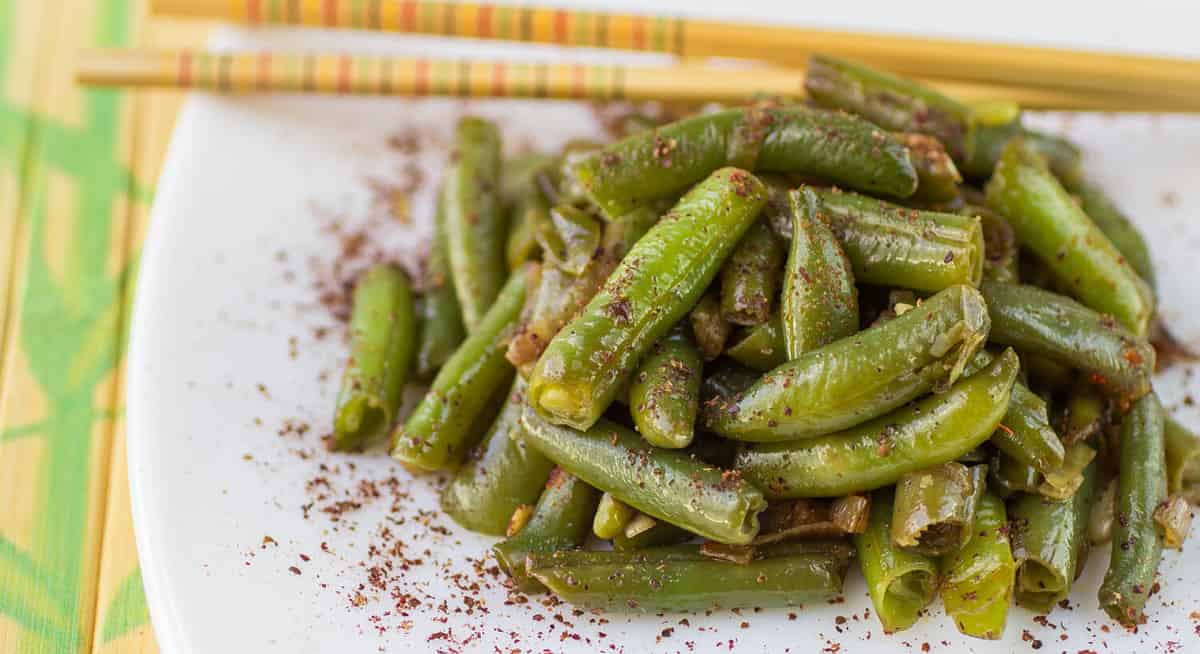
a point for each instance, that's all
(420, 76)
(1156, 83)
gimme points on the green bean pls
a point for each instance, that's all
(813, 518)
(560, 521)
(665, 395)
(709, 326)
(656, 534)
(1008, 476)
(1104, 512)
(900, 583)
(569, 238)
(664, 484)
(750, 278)
(438, 432)
(891, 245)
(1174, 519)
(892, 102)
(1062, 156)
(382, 327)
(793, 139)
(938, 428)
(611, 517)
(681, 578)
(1000, 245)
(525, 204)
(441, 318)
(561, 296)
(1119, 230)
(475, 236)
(1084, 414)
(724, 379)
(938, 176)
(988, 143)
(759, 347)
(977, 581)
(934, 508)
(1062, 481)
(1050, 325)
(499, 475)
(1141, 487)
(518, 175)
(655, 285)
(823, 390)
(1183, 457)
(1024, 433)
(1049, 544)
(820, 300)
(1049, 223)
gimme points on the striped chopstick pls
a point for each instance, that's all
(1153, 83)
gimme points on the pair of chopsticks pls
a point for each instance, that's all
(1033, 77)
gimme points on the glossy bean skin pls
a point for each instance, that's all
(560, 521)
(1050, 543)
(1141, 488)
(1047, 324)
(502, 473)
(820, 300)
(938, 176)
(824, 390)
(1182, 449)
(977, 581)
(793, 139)
(900, 583)
(681, 578)
(655, 285)
(474, 218)
(891, 245)
(1049, 223)
(611, 517)
(441, 318)
(988, 143)
(664, 484)
(439, 431)
(665, 395)
(382, 340)
(934, 508)
(569, 238)
(750, 278)
(935, 429)
(760, 347)
(1008, 476)
(709, 327)
(1025, 433)
(1085, 413)
(890, 101)
(1119, 230)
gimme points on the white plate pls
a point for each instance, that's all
(225, 353)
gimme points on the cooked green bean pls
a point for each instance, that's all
(1008, 476)
(438, 432)
(1000, 245)
(569, 238)
(519, 174)
(526, 205)
(889, 101)
(938, 176)
(793, 139)
(823, 390)
(724, 379)
(1183, 457)
(988, 143)
(611, 517)
(814, 518)
(499, 475)
(475, 224)
(1049, 544)
(664, 484)
(1174, 519)
(655, 285)
(1049, 223)
(977, 580)
(665, 394)
(656, 533)
(681, 578)
(891, 245)
(561, 520)
(1062, 156)
(1050, 325)
(1104, 511)
(938, 428)
(1084, 414)
(1062, 481)
(1141, 487)
(901, 583)
(934, 508)
(820, 300)
(441, 318)
(382, 330)
(1025, 433)
(1119, 230)
(709, 326)
(750, 278)
(759, 347)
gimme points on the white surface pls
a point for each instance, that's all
(248, 178)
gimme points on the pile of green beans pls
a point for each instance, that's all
(747, 346)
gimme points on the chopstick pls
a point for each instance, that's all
(349, 74)
(1157, 83)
